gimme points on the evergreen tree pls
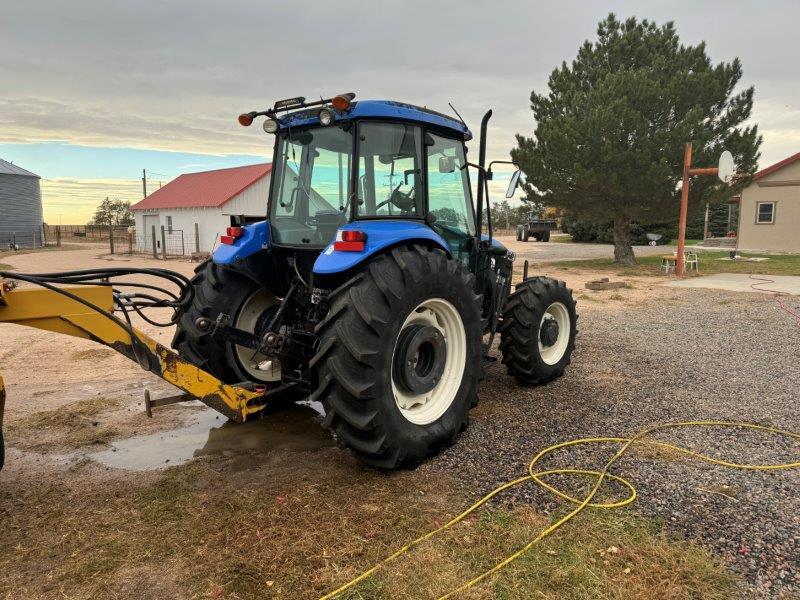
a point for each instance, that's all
(610, 132)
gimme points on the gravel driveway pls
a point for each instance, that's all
(657, 355)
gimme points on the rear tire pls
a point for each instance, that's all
(525, 233)
(220, 290)
(546, 236)
(519, 232)
(356, 366)
(534, 351)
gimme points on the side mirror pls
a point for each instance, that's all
(447, 164)
(512, 185)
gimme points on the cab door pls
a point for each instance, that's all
(449, 195)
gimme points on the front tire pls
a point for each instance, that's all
(525, 233)
(401, 301)
(537, 335)
(520, 229)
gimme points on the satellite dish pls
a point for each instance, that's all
(726, 167)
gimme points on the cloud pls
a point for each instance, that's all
(73, 201)
(174, 75)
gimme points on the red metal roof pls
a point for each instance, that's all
(208, 189)
(777, 166)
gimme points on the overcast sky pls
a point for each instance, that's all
(158, 84)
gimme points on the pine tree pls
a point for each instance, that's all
(610, 132)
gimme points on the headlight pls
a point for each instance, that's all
(325, 117)
(271, 126)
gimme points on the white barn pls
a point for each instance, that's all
(195, 209)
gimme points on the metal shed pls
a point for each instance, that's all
(20, 207)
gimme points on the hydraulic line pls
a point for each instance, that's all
(581, 504)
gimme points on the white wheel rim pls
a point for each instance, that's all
(423, 409)
(558, 312)
(258, 366)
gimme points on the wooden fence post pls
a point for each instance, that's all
(197, 238)
(163, 243)
(111, 237)
(155, 252)
(58, 235)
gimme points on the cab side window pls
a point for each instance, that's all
(449, 196)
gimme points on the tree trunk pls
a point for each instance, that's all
(623, 251)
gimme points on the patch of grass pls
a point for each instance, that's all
(603, 554)
(73, 425)
(778, 264)
(687, 242)
(5, 267)
(299, 529)
(562, 239)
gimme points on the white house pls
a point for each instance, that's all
(196, 208)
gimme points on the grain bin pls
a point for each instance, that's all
(20, 207)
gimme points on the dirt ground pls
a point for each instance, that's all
(97, 500)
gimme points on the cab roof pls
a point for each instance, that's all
(380, 109)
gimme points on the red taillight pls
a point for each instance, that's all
(350, 240)
(245, 119)
(234, 233)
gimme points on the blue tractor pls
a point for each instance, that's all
(371, 286)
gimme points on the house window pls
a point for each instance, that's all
(169, 224)
(765, 212)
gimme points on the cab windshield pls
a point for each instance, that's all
(309, 197)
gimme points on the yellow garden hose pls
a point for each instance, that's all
(581, 504)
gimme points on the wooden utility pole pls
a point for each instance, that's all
(688, 172)
(144, 184)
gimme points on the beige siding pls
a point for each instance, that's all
(782, 235)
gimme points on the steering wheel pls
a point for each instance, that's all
(405, 201)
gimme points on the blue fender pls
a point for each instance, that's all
(380, 235)
(255, 238)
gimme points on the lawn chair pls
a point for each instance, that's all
(690, 262)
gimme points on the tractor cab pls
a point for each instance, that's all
(346, 173)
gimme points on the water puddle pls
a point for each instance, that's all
(296, 428)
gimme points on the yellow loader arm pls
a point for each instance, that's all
(49, 310)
